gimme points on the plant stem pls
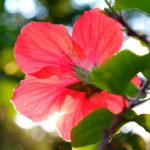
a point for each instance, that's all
(142, 90)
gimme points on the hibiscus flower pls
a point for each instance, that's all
(47, 54)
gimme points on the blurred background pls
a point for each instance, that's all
(17, 132)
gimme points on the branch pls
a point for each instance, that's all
(142, 90)
(131, 32)
(129, 29)
(108, 132)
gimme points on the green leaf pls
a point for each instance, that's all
(144, 121)
(82, 74)
(136, 142)
(89, 147)
(89, 131)
(138, 4)
(127, 117)
(126, 141)
(115, 75)
(144, 44)
(130, 115)
(131, 90)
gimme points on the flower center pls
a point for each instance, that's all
(83, 87)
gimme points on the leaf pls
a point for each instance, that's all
(82, 74)
(127, 117)
(89, 147)
(131, 90)
(136, 142)
(144, 121)
(130, 114)
(138, 4)
(144, 44)
(126, 141)
(89, 131)
(115, 75)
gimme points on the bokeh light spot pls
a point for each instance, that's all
(26, 7)
(10, 68)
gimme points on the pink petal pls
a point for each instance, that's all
(136, 81)
(41, 45)
(77, 106)
(38, 98)
(49, 71)
(99, 35)
(114, 103)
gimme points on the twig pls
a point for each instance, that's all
(129, 30)
(108, 132)
(140, 93)
(104, 140)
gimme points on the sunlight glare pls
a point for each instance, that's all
(47, 125)
(23, 122)
(135, 46)
(93, 3)
(135, 128)
(26, 7)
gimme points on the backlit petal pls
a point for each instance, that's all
(38, 98)
(114, 103)
(42, 45)
(136, 81)
(77, 106)
(99, 35)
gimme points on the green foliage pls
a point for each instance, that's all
(127, 117)
(144, 121)
(89, 130)
(89, 147)
(122, 141)
(136, 142)
(88, 133)
(115, 75)
(82, 74)
(131, 90)
(139, 4)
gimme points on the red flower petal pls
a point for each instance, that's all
(76, 107)
(49, 71)
(112, 102)
(38, 98)
(136, 81)
(42, 45)
(99, 35)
